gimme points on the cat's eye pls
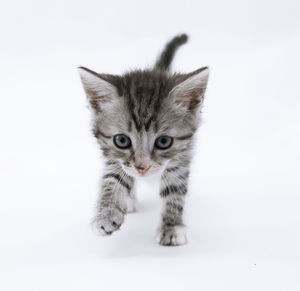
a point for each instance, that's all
(122, 141)
(163, 142)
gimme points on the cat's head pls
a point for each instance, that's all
(145, 119)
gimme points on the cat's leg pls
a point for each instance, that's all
(173, 191)
(112, 205)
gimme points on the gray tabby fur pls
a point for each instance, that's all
(144, 105)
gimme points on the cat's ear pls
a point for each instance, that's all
(189, 93)
(97, 89)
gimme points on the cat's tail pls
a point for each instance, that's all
(166, 57)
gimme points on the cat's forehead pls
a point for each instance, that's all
(145, 94)
(146, 86)
(144, 105)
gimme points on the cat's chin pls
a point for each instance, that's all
(147, 176)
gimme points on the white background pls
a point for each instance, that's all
(243, 206)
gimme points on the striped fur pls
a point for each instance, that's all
(145, 105)
(117, 188)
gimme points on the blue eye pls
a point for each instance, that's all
(122, 141)
(163, 142)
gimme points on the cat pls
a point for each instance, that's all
(145, 121)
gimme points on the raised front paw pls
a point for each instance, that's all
(109, 220)
(172, 235)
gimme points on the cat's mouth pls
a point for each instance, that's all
(148, 172)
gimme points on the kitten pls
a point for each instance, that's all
(144, 122)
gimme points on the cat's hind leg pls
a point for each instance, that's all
(131, 201)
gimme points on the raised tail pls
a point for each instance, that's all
(166, 57)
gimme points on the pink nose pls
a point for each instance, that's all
(142, 169)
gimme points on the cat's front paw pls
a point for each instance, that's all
(109, 220)
(172, 235)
